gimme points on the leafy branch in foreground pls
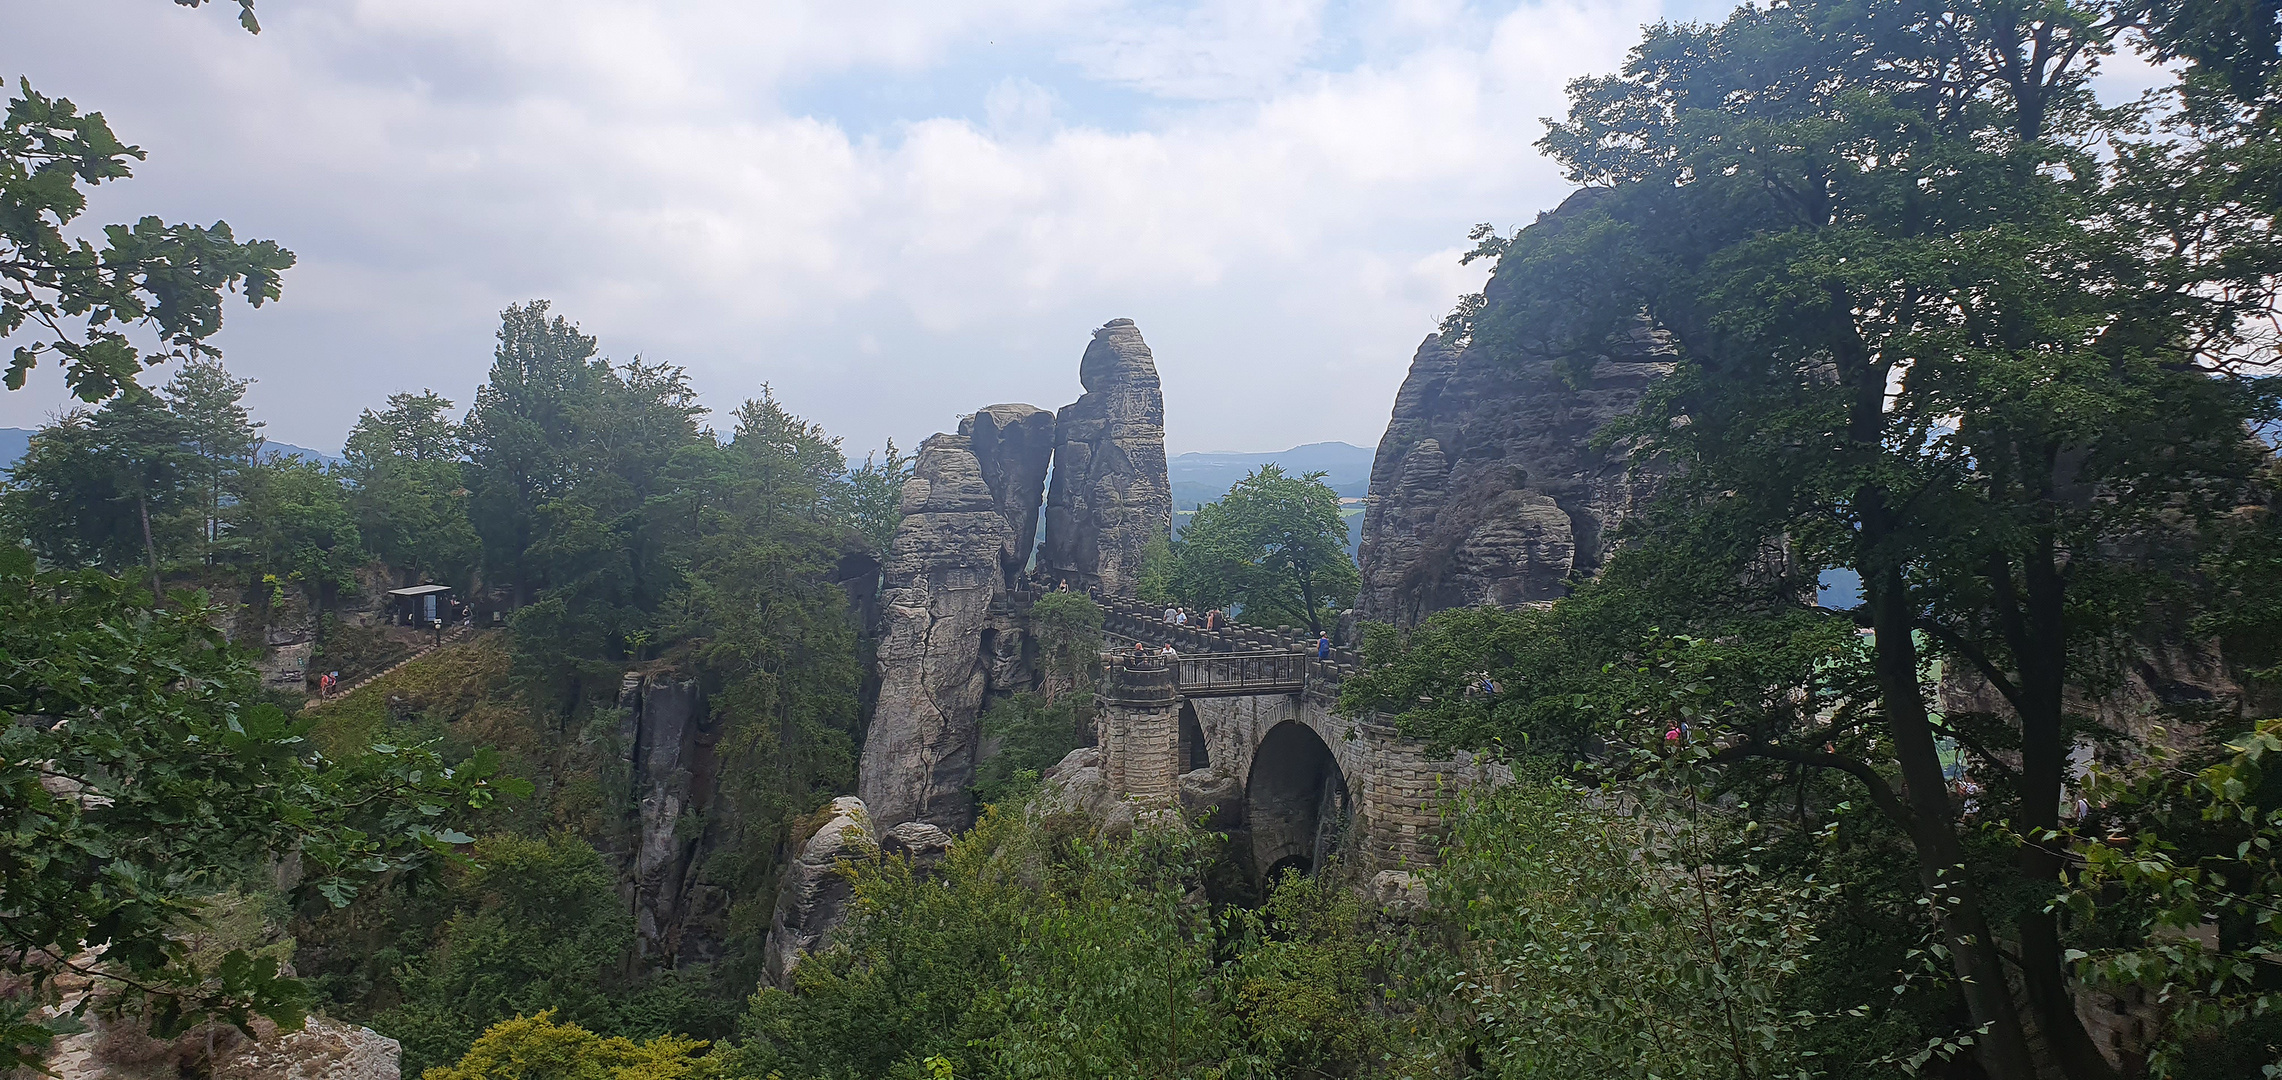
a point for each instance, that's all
(81, 299)
(2214, 868)
(142, 774)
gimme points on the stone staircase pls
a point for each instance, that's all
(453, 636)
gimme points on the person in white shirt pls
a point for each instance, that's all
(1170, 614)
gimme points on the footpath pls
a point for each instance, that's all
(450, 637)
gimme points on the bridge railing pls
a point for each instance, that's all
(1242, 673)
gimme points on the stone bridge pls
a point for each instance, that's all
(1242, 722)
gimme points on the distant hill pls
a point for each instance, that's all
(1204, 477)
(14, 441)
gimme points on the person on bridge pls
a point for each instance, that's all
(1323, 646)
(1169, 652)
(1181, 617)
(1170, 614)
(1212, 619)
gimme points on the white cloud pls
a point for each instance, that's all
(1273, 188)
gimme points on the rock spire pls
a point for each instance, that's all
(1110, 495)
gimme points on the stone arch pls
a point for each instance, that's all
(1296, 801)
(1194, 754)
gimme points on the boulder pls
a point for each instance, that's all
(924, 844)
(1077, 785)
(323, 1049)
(1397, 893)
(1110, 494)
(1214, 798)
(812, 900)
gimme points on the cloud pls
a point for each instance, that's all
(1273, 188)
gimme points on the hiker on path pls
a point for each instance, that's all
(1323, 646)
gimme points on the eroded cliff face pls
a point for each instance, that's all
(1111, 495)
(669, 733)
(942, 572)
(1013, 446)
(1487, 488)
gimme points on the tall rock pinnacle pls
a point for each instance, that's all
(1110, 495)
(941, 574)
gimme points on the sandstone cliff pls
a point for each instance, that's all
(1486, 488)
(942, 572)
(1110, 494)
(668, 733)
(1013, 446)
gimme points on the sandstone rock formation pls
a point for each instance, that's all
(668, 734)
(1111, 495)
(324, 1049)
(943, 571)
(813, 899)
(1013, 445)
(1486, 488)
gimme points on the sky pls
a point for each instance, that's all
(892, 212)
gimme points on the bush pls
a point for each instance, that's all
(537, 1048)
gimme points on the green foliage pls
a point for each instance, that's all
(1028, 953)
(105, 489)
(2208, 858)
(538, 1048)
(218, 434)
(144, 777)
(1032, 951)
(1916, 330)
(1274, 545)
(1033, 733)
(1613, 935)
(410, 498)
(292, 521)
(530, 925)
(1036, 730)
(1159, 571)
(78, 302)
(875, 495)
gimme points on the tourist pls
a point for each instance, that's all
(1168, 652)
(1212, 619)
(1170, 614)
(1183, 617)
(1323, 646)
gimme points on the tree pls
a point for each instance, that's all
(221, 438)
(1942, 322)
(1275, 544)
(141, 778)
(523, 434)
(414, 427)
(411, 499)
(292, 521)
(875, 495)
(167, 280)
(106, 488)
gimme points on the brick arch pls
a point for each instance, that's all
(1298, 804)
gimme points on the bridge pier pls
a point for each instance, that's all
(1140, 729)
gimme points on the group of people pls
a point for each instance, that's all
(1179, 616)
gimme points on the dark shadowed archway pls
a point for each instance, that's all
(1296, 801)
(1193, 753)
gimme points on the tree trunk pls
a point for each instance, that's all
(1958, 906)
(2040, 644)
(150, 549)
